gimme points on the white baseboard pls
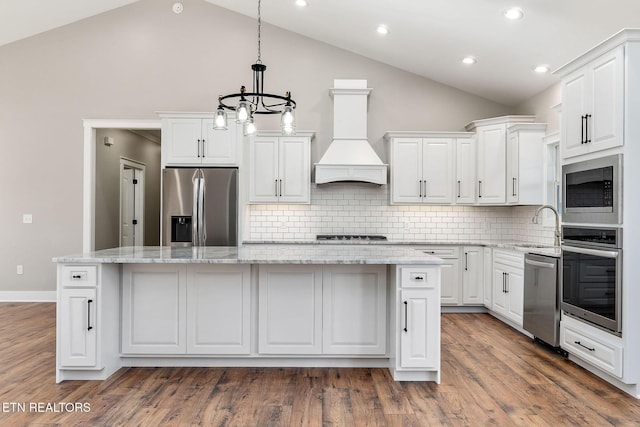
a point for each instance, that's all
(27, 296)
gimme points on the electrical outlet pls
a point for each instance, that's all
(27, 219)
(19, 269)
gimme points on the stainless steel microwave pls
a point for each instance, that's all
(592, 191)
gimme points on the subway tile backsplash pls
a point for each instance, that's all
(353, 208)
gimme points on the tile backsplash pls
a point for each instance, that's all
(353, 208)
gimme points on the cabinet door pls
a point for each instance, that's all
(500, 301)
(263, 170)
(218, 309)
(354, 309)
(465, 185)
(78, 330)
(513, 163)
(406, 171)
(153, 309)
(219, 147)
(181, 141)
(290, 309)
(294, 176)
(437, 170)
(491, 164)
(488, 277)
(419, 324)
(607, 124)
(574, 92)
(472, 276)
(515, 294)
(450, 284)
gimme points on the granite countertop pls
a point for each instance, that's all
(258, 254)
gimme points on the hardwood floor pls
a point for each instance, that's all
(491, 375)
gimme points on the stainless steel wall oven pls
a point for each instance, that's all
(592, 275)
(592, 191)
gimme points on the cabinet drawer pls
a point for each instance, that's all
(418, 277)
(592, 345)
(78, 275)
(512, 258)
(440, 251)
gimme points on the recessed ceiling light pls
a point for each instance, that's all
(513, 13)
(177, 7)
(382, 29)
(541, 69)
(469, 60)
(302, 3)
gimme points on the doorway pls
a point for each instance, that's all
(132, 185)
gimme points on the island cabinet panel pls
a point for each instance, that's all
(354, 309)
(78, 329)
(419, 337)
(290, 309)
(218, 309)
(153, 309)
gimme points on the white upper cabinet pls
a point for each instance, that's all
(593, 105)
(188, 139)
(279, 168)
(497, 165)
(525, 163)
(423, 167)
(465, 185)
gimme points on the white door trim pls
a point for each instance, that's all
(89, 170)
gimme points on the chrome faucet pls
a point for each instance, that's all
(557, 232)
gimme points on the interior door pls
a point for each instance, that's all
(131, 205)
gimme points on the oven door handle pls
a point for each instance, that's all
(594, 252)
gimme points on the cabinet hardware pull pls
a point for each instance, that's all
(586, 129)
(466, 261)
(406, 309)
(513, 186)
(582, 345)
(420, 187)
(198, 148)
(458, 188)
(276, 193)
(582, 118)
(76, 277)
(280, 192)
(479, 188)
(506, 275)
(504, 282)
(418, 278)
(425, 188)
(203, 155)
(89, 327)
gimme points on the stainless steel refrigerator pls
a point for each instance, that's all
(200, 207)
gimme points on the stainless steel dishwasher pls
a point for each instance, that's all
(542, 298)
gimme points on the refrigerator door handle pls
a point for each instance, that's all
(201, 226)
(195, 210)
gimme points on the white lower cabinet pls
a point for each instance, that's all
(487, 274)
(290, 309)
(592, 345)
(219, 309)
(177, 309)
(419, 338)
(472, 275)
(333, 309)
(508, 284)
(354, 309)
(78, 330)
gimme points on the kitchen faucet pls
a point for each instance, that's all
(557, 232)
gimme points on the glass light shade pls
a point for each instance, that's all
(249, 127)
(287, 117)
(242, 112)
(220, 120)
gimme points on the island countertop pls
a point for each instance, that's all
(256, 254)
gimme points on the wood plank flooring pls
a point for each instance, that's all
(491, 375)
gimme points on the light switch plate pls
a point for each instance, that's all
(27, 219)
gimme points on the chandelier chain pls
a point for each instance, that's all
(259, 61)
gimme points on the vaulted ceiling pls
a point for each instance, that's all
(426, 37)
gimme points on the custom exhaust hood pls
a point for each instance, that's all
(350, 157)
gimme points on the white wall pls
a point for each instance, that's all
(131, 62)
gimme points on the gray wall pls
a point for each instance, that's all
(131, 62)
(133, 147)
(546, 107)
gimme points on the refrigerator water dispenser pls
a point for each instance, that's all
(181, 229)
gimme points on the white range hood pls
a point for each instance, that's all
(350, 157)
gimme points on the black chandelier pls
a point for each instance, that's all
(257, 101)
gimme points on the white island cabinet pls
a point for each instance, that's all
(253, 306)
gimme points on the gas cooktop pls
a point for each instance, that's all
(350, 237)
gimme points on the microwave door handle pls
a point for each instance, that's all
(594, 252)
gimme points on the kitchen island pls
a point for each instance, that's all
(254, 306)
